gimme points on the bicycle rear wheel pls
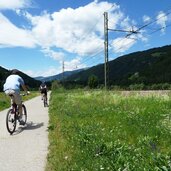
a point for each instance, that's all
(24, 114)
(45, 101)
(11, 121)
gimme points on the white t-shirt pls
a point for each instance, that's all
(13, 82)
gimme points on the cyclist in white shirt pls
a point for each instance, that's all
(12, 87)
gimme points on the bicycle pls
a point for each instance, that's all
(13, 116)
(45, 100)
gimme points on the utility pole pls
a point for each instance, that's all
(106, 49)
(106, 64)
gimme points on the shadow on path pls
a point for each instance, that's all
(32, 125)
(29, 126)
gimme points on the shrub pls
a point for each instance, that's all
(136, 86)
(56, 85)
(93, 81)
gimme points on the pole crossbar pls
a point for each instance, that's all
(127, 31)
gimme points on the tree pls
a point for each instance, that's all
(55, 85)
(93, 81)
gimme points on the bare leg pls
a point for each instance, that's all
(20, 109)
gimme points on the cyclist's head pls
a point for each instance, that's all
(14, 71)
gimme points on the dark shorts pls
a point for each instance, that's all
(44, 91)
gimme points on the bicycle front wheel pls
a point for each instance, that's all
(11, 121)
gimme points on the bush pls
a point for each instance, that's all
(166, 86)
(92, 81)
(56, 85)
(136, 86)
(115, 87)
(161, 86)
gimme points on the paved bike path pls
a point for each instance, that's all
(27, 148)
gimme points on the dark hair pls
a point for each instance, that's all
(14, 71)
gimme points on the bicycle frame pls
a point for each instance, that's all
(14, 108)
(13, 116)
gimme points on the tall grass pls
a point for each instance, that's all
(98, 130)
(5, 100)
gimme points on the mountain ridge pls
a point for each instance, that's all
(133, 68)
(152, 66)
(59, 76)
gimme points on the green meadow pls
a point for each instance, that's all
(109, 130)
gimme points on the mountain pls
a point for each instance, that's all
(39, 78)
(58, 76)
(152, 66)
(29, 81)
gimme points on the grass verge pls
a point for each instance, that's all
(5, 100)
(98, 130)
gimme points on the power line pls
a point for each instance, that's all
(140, 28)
(92, 56)
(96, 62)
(169, 12)
(159, 29)
(92, 28)
(131, 32)
(149, 34)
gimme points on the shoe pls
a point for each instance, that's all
(21, 122)
(19, 117)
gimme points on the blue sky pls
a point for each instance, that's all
(36, 36)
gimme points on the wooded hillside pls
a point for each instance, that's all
(152, 66)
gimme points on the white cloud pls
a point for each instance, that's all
(14, 4)
(161, 20)
(45, 73)
(146, 18)
(42, 29)
(68, 66)
(79, 31)
(73, 64)
(54, 55)
(126, 23)
(12, 36)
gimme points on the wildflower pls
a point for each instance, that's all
(66, 157)
(101, 168)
